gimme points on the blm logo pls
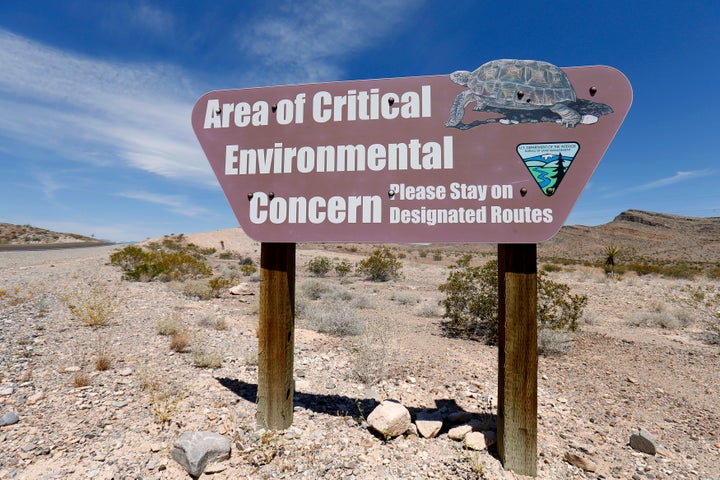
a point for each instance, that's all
(548, 162)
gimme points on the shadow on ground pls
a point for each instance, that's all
(359, 408)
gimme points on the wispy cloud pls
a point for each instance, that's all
(307, 41)
(175, 203)
(678, 177)
(98, 112)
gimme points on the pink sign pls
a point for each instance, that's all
(496, 155)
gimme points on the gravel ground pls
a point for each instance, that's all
(78, 422)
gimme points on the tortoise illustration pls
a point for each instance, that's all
(515, 85)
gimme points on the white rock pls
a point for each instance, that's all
(429, 425)
(475, 441)
(458, 433)
(242, 289)
(389, 419)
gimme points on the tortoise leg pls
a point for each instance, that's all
(458, 108)
(568, 117)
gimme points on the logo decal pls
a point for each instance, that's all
(548, 162)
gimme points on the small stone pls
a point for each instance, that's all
(120, 403)
(72, 369)
(458, 433)
(35, 397)
(475, 441)
(580, 462)
(124, 372)
(5, 391)
(10, 418)
(644, 442)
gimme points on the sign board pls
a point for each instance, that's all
(498, 155)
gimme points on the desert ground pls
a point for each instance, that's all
(646, 356)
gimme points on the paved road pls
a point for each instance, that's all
(49, 246)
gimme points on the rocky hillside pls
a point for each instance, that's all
(27, 235)
(641, 234)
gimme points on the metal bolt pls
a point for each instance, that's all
(250, 195)
(391, 101)
(520, 94)
(523, 191)
(274, 108)
(271, 195)
(218, 111)
(391, 193)
(593, 91)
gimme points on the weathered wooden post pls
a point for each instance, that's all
(276, 336)
(517, 357)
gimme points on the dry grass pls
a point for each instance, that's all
(94, 307)
(180, 342)
(170, 325)
(202, 359)
(81, 379)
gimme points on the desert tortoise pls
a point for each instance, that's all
(515, 85)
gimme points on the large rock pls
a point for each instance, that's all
(644, 442)
(195, 450)
(390, 419)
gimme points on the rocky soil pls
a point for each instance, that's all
(646, 357)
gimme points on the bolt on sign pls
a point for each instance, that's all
(497, 155)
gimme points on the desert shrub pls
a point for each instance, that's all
(169, 325)
(437, 255)
(553, 342)
(343, 268)
(202, 359)
(382, 265)
(405, 298)
(612, 253)
(218, 284)
(94, 307)
(428, 310)
(319, 266)
(210, 321)
(157, 264)
(551, 267)
(334, 318)
(314, 289)
(659, 316)
(471, 302)
(199, 289)
(374, 353)
(179, 341)
(247, 269)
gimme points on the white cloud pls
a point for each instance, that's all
(99, 112)
(176, 203)
(677, 178)
(306, 41)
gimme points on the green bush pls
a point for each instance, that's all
(343, 268)
(381, 266)
(157, 264)
(319, 266)
(471, 302)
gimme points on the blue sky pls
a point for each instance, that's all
(95, 97)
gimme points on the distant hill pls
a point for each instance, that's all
(641, 234)
(26, 235)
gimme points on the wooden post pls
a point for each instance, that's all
(517, 357)
(276, 336)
